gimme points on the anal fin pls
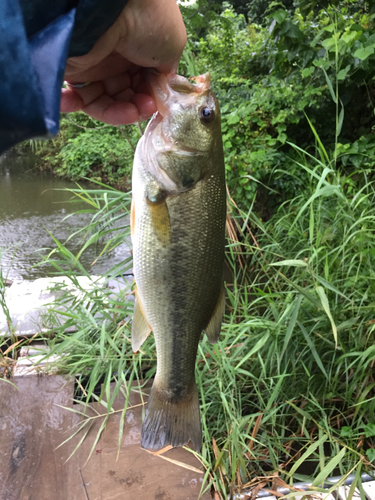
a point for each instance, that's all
(140, 327)
(213, 328)
(132, 219)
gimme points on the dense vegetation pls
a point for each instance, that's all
(288, 393)
(86, 148)
(269, 78)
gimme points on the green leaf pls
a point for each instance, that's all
(349, 36)
(321, 147)
(347, 324)
(307, 71)
(233, 118)
(370, 454)
(328, 190)
(328, 285)
(328, 43)
(272, 26)
(370, 430)
(340, 121)
(342, 73)
(280, 15)
(330, 28)
(282, 137)
(255, 349)
(328, 469)
(323, 297)
(309, 296)
(102, 340)
(364, 52)
(312, 349)
(329, 83)
(292, 323)
(346, 431)
(291, 262)
(304, 413)
(259, 182)
(307, 453)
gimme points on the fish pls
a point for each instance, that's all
(178, 234)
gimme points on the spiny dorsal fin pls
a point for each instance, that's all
(213, 328)
(140, 327)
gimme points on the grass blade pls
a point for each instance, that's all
(309, 451)
(313, 349)
(323, 297)
(292, 323)
(329, 468)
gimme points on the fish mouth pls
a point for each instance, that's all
(166, 88)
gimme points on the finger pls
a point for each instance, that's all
(113, 64)
(70, 101)
(117, 84)
(113, 112)
(146, 105)
(126, 95)
(136, 80)
(120, 109)
(142, 88)
(89, 93)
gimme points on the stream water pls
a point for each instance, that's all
(32, 202)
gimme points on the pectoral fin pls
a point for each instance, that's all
(140, 327)
(213, 328)
(160, 221)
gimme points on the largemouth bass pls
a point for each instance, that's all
(177, 225)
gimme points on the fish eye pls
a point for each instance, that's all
(206, 114)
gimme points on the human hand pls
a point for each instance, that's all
(148, 33)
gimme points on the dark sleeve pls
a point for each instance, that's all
(37, 36)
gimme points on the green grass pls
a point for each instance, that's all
(290, 385)
(288, 392)
(9, 343)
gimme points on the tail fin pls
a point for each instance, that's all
(168, 423)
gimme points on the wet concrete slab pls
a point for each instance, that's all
(36, 417)
(31, 428)
(31, 302)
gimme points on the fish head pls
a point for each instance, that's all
(184, 136)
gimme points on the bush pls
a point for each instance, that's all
(86, 148)
(100, 154)
(268, 78)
